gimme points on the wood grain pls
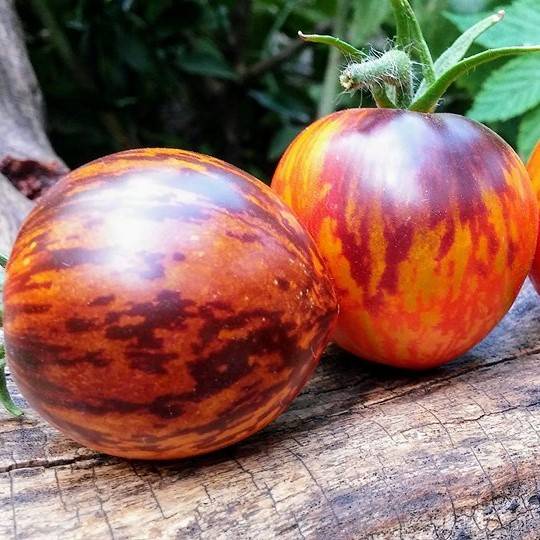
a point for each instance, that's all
(364, 452)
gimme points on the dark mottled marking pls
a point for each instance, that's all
(31, 351)
(273, 335)
(58, 260)
(179, 257)
(492, 239)
(213, 325)
(168, 311)
(76, 325)
(93, 358)
(447, 241)
(283, 284)
(398, 243)
(112, 317)
(168, 406)
(208, 371)
(243, 237)
(149, 362)
(219, 305)
(37, 286)
(511, 254)
(28, 309)
(102, 300)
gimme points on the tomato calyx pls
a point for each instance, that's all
(5, 398)
(389, 77)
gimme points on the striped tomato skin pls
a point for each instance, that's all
(162, 304)
(428, 224)
(533, 167)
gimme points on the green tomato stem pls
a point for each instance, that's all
(381, 97)
(409, 35)
(343, 46)
(5, 398)
(429, 100)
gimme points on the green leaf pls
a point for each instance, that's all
(206, 60)
(510, 91)
(529, 133)
(438, 31)
(469, 6)
(462, 44)
(520, 26)
(428, 101)
(344, 47)
(134, 52)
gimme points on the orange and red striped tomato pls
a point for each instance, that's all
(533, 168)
(163, 304)
(428, 223)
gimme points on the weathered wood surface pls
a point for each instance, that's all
(363, 452)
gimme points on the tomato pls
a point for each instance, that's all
(534, 171)
(428, 223)
(162, 304)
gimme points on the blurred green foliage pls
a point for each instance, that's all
(227, 77)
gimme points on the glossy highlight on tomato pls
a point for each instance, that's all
(427, 221)
(163, 304)
(533, 167)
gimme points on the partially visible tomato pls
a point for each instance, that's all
(163, 304)
(533, 168)
(427, 221)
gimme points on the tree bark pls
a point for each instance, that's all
(27, 159)
(14, 207)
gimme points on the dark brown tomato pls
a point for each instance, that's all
(162, 304)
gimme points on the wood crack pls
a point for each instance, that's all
(47, 464)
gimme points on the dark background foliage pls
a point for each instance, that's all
(228, 78)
